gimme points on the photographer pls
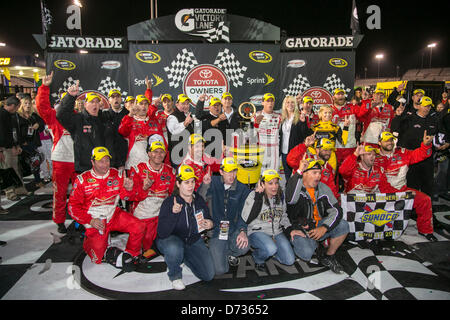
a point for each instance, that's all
(315, 215)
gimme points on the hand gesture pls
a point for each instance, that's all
(400, 87)
(188, 120)
(346, 121)
(360, 149)
(202, 97)
(176, 206)
(399, 110)
(259, 118)
(426, 138)
(222, 117)
(147, 182)
(148, 83)
(259, 187)
(74, 90)
(207, 177)
(47, 80)
(309, 140)
(303, 165)
(133, 109)
(128, 183)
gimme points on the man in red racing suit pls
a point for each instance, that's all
(93, 203)
(396, 162)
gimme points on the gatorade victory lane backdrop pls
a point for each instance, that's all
(96, 72)
(317, 74)
(246, 71)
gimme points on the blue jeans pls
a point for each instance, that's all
(221, 249)
(196, 256)
(304, 248)
(287, 169)
(265, 247)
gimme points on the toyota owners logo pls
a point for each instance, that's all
(207, 79)
(319, 94)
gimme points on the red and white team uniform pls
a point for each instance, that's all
(161, 116)
(328, 175)
(95, 196)
(62, 155)
(339, 113)
(359, 180)
(147, 203)
(375, 120)
(396, 167)
(137, 132)
(268, 138)
(206, 165)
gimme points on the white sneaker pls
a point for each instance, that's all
(178, 284)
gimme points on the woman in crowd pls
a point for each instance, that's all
(290, 117)
(182, 217)
(31, 125)
(265, 214)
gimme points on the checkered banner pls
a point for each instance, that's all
(377, 216)
(95, 71)
(221, 33)
(247, 71)
(317, 74)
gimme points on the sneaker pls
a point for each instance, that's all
(233, 261)
(331, 262)
(260, 266)
(430, 237)
(178, 284)
(62, 228)
(128, 262)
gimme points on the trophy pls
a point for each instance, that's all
(246, 111)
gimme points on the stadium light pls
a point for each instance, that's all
(2, 44)
(431, 46)
(379, 56)
(78, 3)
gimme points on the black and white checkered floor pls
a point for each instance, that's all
(37, 263)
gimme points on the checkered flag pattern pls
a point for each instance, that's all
(376, 211)
(179, 67)
(333, 82)
(65, 86)
(222, 32)
(107, 84)
(298, 85)
(228, 63)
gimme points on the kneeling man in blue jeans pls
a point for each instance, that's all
(315, 215)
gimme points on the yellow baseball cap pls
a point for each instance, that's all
(99, 153)
(228, 164)
(426, 101)
(166, 95)
(370, 149)
(325, 144)
(227, 94)
(141, 98)
(91, 96)
(307, 99)
(186, 172)
(314, 164)
(385, 136)
(419, 91)
(268, 96)
(114, 91)
(379, 91)
(196, 137)
(182, 98)
(338, 90)
(156, 145)
(130, 98)
(270, 174)
(214, 100)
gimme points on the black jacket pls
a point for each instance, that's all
(8, 125)
(120, 144)
(299, 132)
(87, 133)
(30, 136)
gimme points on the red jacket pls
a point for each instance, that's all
(375, 120)
(354, 112)
(360, 180)
(296, 154)
(208, 164)
(147, 203)
(396, 165)
(151, 108)
(95, 196)
(62, 149)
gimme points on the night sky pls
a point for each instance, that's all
(406, 26)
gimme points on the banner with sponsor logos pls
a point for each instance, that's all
(96, 72)
(247, 71)
(317, 74)
(377, 216)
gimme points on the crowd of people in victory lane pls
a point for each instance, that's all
(167, 176)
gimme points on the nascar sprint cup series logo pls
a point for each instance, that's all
(206, 79)
(207, 23)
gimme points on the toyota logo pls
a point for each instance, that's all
(316, 94)
(205, 74)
